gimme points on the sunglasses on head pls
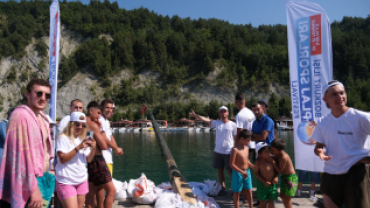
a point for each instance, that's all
(47, 95)
(80, 125)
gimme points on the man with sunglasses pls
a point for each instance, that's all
(341, 142)
(100, 178)
(75, 106)
(24, 170)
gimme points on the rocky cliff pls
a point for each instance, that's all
(85, 85)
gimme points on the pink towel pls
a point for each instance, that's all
(23, 156)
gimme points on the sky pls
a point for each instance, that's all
(256, 12)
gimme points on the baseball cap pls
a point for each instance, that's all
(330, 84)
(223, 108)
(78, 117)
(264, 102)
(51, 121)
(259, 145)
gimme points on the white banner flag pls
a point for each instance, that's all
(311, 67)
(54, 37)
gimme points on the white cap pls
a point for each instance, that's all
(78, 116)
(51, 121)
(332, 83)
(114, 107)
(259, 145)
(223, 108)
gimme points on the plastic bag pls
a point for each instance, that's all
(198, 192)
(168, 200)
(214, 187)
(208, 202)
(119, 185)
(143, 192)
(166, 186)
(121, 195)
(201, 186)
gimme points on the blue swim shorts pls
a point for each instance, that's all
(238, 182)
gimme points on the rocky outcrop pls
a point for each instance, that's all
(86, 86)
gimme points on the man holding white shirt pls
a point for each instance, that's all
(225, 137)
(341, 138)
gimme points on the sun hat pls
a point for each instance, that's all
(51, 121)
(330, 84)
(223, 108)
(259, 145)
(78, 117)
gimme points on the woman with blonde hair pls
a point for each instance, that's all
(74, 151)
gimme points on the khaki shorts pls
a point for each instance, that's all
(351, 189)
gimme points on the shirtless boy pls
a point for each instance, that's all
(266, 175)
(289, 180)
(239, 162)
(99, 174)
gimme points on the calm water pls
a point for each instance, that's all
(193, 153)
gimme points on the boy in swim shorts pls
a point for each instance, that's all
(239, 161)
(289, 180)
(266, 175)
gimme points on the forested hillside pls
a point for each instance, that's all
(182, 50)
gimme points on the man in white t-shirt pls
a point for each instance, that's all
(244, 120)
(107, 113)
(76, 106)
(225, 138)
(341, 138)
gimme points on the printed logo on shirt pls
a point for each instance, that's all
(345, 132)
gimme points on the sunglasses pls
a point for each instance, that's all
(47, 95)
(80, 125)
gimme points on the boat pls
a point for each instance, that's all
(121, 126)
(163, 125)
(285, 124)
(184, 125)
(202, 125)
(142, 126)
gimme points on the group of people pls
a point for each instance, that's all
(341, 142)
(82, 166)
(253, 132)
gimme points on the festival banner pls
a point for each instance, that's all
(311, 67)
(54, 37)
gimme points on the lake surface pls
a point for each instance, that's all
(193, 153)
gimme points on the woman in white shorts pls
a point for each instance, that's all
(74, 151)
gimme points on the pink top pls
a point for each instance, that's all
(23, 156)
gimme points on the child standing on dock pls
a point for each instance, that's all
(289, 180)
(239, 162)
(266, 175)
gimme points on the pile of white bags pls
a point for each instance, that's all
(121, 188)
(143, 191)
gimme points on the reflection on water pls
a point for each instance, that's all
(193, 153)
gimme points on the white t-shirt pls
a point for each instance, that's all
(244, 120)
(73, 172)
(63, 124)
(225, 133)
(107, 154)
(345, 139)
